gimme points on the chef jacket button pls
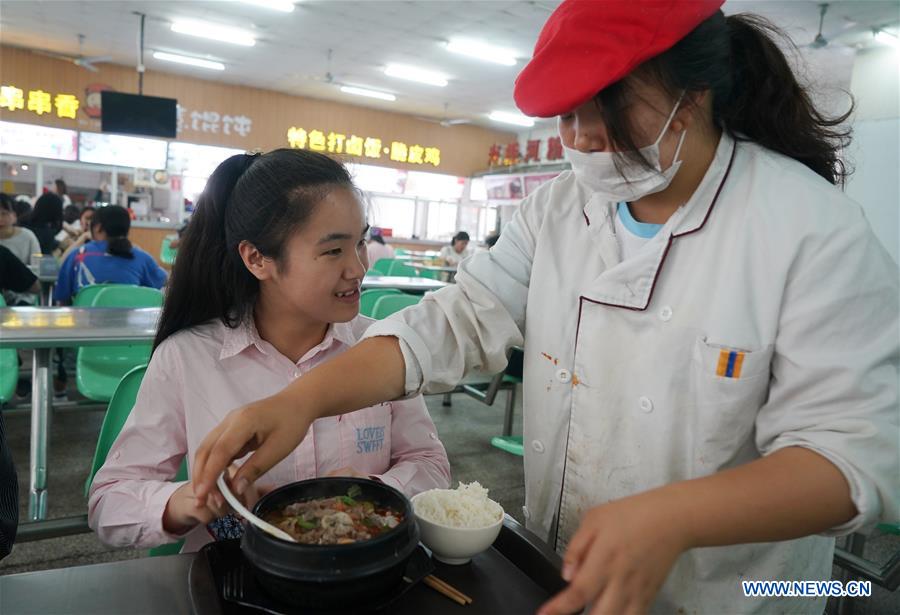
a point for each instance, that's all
(665, 314)
(564, 376)
(538, 446)
(646, 404)
(525, 513)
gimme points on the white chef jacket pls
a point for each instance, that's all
(763, 315)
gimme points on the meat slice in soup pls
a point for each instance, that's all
(335, 520)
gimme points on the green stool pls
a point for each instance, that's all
(9, 369)
(368, 298)
(98, 369)
(389, 304)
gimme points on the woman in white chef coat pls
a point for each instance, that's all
(710, 326)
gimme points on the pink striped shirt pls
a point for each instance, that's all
(195, 378)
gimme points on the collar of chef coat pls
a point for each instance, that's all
(630, 284)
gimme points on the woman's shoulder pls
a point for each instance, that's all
(203, 339)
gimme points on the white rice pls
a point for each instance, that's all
(467, 506)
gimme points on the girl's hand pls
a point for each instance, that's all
(619, 557)
(271, 427)
(185, 511)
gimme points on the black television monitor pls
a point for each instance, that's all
(132, 114)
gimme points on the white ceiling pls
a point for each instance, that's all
(291, 51)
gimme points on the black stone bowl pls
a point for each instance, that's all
(331, 576)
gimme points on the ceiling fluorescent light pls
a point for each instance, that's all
(886, 38)
(511, 118)
(349, 89)
(483, 51)
(215, 32)
(411, 73)
(172, 57)
(285, 6)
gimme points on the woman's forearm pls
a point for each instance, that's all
(791, 493)
(371, 372)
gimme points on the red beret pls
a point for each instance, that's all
(587, 45)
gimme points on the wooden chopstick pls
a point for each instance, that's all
(447, 589)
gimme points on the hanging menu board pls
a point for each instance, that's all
(120, 151)
(38, 141)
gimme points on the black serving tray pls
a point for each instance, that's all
(516, 575)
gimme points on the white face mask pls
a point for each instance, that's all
(598, 173)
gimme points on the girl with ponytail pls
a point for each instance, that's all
(710, 325)
(108, 257)
(265, 287)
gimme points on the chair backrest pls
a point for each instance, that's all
(368, 298)
(383, 265)
(85, 296)
(167, 253)
(116, 414)
(400, 268)
(387, 305)
(9, 369)
(128, 296)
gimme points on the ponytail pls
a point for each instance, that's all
(260, 199)
(756, 96)
(205, 280)
(115, 222)
(769, 106)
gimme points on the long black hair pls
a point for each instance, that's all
(262, 199)
(756, 96)
(48, 211)
(116, 223)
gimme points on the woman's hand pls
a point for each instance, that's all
(272, 427)
(620, 556)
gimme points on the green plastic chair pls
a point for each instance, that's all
(85, 296)
(9, 369)
(387, 305)
(98, 369)
(368, 298)
(383, 266)
(431, 275)
(119, 408)
(400, 268)
(166, 252)
(401, 252)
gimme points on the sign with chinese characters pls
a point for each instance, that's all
(38, 102)
(362, 147)
(212, 122)
(536, 151)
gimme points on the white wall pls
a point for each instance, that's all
(875, 151)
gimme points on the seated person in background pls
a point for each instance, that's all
(110, 257)
(72, 220)
(20, 241)
(22, 207)
(376, 248)
(46, 222)
(15, 276)
(265, 288)
(457, 251)
(9, 495)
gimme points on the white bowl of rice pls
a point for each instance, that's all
(457, 524)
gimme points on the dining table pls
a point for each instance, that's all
(42, 329)
(514, 575)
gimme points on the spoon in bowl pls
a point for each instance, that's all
(249, 516)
